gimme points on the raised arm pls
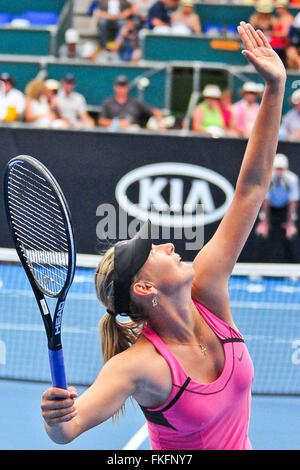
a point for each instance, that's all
(214, 263)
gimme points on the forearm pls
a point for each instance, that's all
(158, 22)
(62, 433)
(104, 122)
(265, 211)
(292, 212)
(257, 164)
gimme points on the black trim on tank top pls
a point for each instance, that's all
(232, 340)
(157, 417)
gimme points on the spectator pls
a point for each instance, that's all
(279, 214)
(292, 51)
(263, 18)
(12, 101)
(127, 43)
(123, 112)
(184, 19)
(37, 108)
(159, 16)
(207, 117)
(71, 105)
(110, 16)
(226, 109)
(72, 49)
(290, 126)
(244, 112)
(141, 8)
(52, 90)
(280, 34)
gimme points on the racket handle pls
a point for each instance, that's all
(57, 367)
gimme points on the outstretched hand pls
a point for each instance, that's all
(259, 52)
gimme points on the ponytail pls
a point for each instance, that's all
(116, 336)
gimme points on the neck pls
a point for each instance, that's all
(176, 320)
(121, 99)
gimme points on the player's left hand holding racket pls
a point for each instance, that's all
(40, 223)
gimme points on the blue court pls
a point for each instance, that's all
(266, 311)
(274, 424)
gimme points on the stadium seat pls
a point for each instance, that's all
(40, 18)
(19, 21)
(212, 29)
(4, 18)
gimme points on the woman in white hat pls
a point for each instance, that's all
(185, 19)
(244, 111)
(207, 117)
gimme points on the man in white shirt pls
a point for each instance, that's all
(290, 126)
(12, 101)
(72, 105)
(279, 211)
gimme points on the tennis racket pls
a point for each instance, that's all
(40, 224)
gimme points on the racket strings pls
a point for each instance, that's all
(37, 196)
(39, 226)
(36, 225)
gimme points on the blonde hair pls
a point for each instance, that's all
(116, 336)
(35, 89)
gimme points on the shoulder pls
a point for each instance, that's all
(108, 100)
(148, 381)
(16, 92)
(291, 177)
(157, 6)
(136, 102)
(77, 96)
(292, 113)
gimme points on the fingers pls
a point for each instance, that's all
(243, 32)
(250, 35)
(58, 405)
(250, 56)
(252, 38)
(263, 38)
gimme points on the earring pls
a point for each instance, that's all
(154, 301)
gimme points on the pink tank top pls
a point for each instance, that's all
(213, 416)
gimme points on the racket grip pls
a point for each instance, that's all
(57, 367)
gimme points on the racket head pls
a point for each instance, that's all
(40, 223)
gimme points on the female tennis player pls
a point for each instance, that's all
(181, 357)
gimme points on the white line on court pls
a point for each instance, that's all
(137, 439)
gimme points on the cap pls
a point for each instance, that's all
(211, 91)
(281, 161)
(252, 87)
(264, 7)
(295, 98)
(189, 3)
(281, 3)
(52, 84)
(71, 36)
(121, 80)
(68, 77)
(129, 257)
(6, 77)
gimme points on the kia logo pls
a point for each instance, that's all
(156, 178)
